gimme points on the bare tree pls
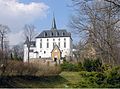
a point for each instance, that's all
(115, 2)
(100, 23)
(29, 33)
(17, 52)
(79, 49)
(3, 32)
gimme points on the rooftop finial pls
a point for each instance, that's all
(54, 23)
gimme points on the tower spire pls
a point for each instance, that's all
(54, 23)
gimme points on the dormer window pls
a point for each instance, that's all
(57, 34)
(45, 34)
(63, 34)
(51, 33)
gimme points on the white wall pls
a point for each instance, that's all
(65, 51)
(25, 53)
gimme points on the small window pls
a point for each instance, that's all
(63, 33)
(64, 44)
(40, 44)
(64, 39)
(59, 44)
(59, 39)
(45, 34)
(51, 33)
(44, 52)
(47, 45)
(47, 39)
(53, 39)
(40, 39)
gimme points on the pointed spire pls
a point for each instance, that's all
(54, 23)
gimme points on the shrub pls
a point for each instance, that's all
(66, 66)
(18, 68)
(88, 65)
(92, 65)
(94, 79)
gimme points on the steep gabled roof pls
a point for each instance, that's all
(55, 46)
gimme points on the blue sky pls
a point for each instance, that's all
(17, 13)
(62, 12)
(60, 9)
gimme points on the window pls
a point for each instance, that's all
(59, 44)
(40, 43)
(64, 39)
(64, 44)
(45, 34)
(63, 33)
(53, 39)
(44, 52)
(47, 45)
(51, 33)
(59, 39)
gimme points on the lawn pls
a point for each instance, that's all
(59, 81)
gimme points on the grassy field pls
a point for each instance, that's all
(60, 81)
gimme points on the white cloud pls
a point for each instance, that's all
(16, 14)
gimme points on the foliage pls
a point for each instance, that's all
(92, 65)
(87, 65)
(67, 66)
(107, 79)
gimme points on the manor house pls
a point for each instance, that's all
(52, 44)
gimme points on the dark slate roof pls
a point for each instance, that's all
(54, 33)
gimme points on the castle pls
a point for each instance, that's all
(52, 44)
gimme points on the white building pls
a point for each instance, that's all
(46, 41)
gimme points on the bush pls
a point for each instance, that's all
(18, 68)
(92, 65)
(66, 66)
(106, 79)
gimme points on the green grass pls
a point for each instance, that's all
(60, 81)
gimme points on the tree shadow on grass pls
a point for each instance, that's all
(32, 81)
